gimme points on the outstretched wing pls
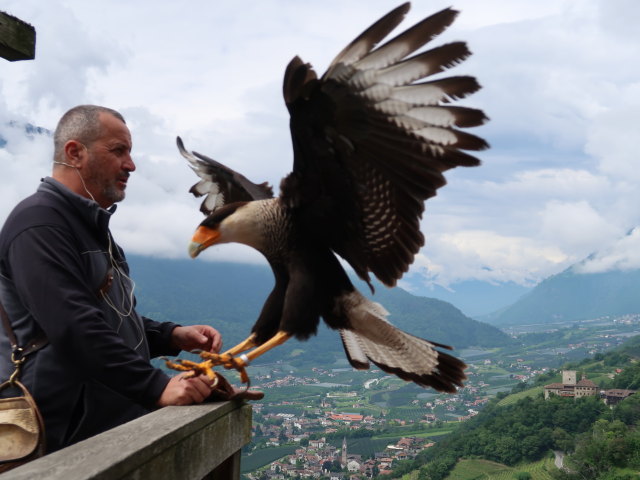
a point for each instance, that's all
(220, 184)
(371, 139)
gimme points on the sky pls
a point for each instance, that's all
(561, 85)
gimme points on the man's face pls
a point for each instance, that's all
(109, 162)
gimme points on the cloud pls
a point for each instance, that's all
(560, 85)
(610, 143)
(68, 56)
(622, 254)
(577, 224)
(486, 256)
(23, 161)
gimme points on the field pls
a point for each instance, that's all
(290, 409)
(513, 398)
(264, 456)
(427, 433)
(486, 470)
(411, 475)
(408, 413)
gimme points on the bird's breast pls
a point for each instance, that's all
(277, 231)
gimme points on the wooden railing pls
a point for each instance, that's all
(174, 443)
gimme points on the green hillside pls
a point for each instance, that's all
(515, 397)
(519, 430)
(474, 469)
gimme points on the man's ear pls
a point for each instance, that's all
(75, 152)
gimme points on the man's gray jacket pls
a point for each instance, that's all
(56, 252)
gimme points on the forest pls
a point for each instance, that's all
(599, 442)
(598, 439)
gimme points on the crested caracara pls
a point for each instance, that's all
(371, 140)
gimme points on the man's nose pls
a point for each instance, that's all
(129, 165)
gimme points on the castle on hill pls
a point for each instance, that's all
(570, 387)
(584, 388)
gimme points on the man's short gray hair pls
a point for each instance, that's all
(81, 123)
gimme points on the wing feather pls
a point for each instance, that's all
(368, 39)
(372, 138)
(219, 183)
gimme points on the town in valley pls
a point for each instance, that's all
(335, 422)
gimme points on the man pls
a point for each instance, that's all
(63, 277)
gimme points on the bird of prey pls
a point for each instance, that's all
(371, 140)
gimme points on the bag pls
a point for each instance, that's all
(21, 429)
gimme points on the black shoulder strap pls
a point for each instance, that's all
(7, 328)
(31, 347)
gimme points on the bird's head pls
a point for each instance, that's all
(237, 222)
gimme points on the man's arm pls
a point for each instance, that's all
(159, 337)
(167, 338)
(48, 274)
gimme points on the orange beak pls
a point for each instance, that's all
(202, 239)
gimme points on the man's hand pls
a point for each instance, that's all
(193, 337)
(185, 391)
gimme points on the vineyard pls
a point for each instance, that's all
(514, 397)
(487, 470)
(408, 413)
(264, 456)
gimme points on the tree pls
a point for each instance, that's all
(562, 440)
(522, 476)
(628, 410)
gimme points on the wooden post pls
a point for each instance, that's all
(17, 39)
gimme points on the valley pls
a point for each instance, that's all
(315, 402)
(373, 410)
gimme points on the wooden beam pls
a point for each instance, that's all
(17, 39)
(173, 443)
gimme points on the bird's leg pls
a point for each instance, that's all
(228, 358)
(245, 359)
(243, 346)
(211, 360)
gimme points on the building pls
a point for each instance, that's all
(353, 466)
(570, 387)
(614, 396)
(347, 417)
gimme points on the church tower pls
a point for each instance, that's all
(569, 377)
(344, 452)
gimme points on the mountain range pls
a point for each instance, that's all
(475, 298)
(573, 295)
(606, 283)
(229, 296)
(232, 294)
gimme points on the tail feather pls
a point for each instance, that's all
(357, 358)
(372, 338)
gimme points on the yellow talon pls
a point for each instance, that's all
(228, 359)
(202, 368)
(209, 356)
